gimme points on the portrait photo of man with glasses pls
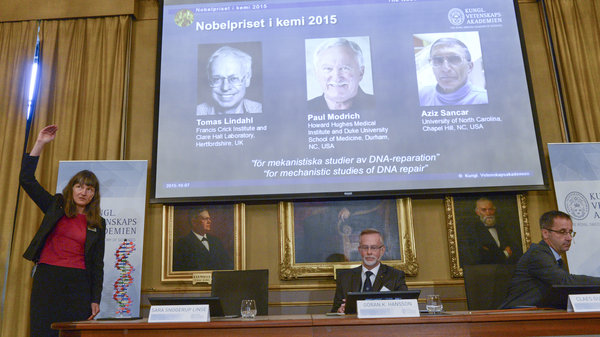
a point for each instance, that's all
(457, 73)
(228, 75)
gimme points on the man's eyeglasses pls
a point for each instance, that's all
(438, 61)
(562, 232)
(370, 247)
(217, 81)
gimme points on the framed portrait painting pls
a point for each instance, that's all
(486, 229)
(316, 238)
(198, 239)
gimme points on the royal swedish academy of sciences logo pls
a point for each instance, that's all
(456, 16)
(577, 205)
(184, 18)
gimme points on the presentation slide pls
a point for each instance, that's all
(292, 99)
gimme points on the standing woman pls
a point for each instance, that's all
(68, 248)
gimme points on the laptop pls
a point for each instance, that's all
(214, 304)
(233, 286)
(558, 296)
(378, 295)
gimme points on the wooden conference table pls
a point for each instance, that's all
(476, 323)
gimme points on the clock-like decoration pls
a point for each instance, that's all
(184, 18)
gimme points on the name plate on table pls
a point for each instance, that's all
(387, 308)
(583, 303)
(179, 313)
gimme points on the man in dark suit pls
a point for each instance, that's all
(542, 265)
(199, 250)
(486, 241)
(372, 275)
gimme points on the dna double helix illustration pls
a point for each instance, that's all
(125, 279)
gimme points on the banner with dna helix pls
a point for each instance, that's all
(123, 202)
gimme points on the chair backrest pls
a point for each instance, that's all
(486, 285)
(340, 269)
(233, 286)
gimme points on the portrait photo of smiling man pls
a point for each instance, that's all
(338, 74)
(228, 75)
(458, 75)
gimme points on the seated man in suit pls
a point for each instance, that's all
(542, 266)
(372, 275)
(199, 250)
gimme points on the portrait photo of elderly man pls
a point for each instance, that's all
(452, 65)
(340, 68)
(228, 75)
(489, 228)
(202, 247)
(489, 237)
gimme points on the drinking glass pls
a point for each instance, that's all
(248, 309)
(434, 304)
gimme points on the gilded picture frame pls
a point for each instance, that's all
(464, 223)
(331, 228)
(227, 229)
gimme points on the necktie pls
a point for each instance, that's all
(368, 286)
(560, 263)
(205, 243)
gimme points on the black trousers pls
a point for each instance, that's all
(58, 294)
